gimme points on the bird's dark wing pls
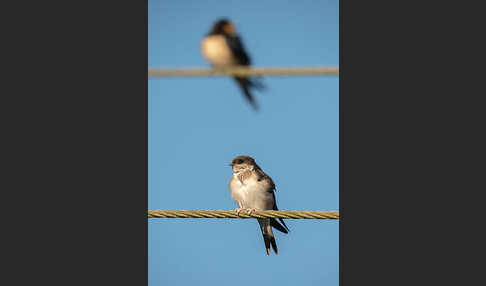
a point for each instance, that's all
(238, 50)
(275, 223)
(242, 58)
(263, 176)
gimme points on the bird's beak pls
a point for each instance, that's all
(230, 165)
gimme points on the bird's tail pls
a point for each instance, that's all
(245, 85)
(257, 83)
(268, 236)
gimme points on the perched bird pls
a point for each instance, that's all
(222, 47)
(252, 190)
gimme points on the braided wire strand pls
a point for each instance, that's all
(243, 214)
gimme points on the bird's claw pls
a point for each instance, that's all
(249, 211)
(238, 210)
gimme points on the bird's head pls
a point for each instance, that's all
(223, 27)
(243, 163)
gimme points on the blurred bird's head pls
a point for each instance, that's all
(223, 27)
(242, 163)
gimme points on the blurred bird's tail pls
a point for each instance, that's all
(245, 85)
(257, 83)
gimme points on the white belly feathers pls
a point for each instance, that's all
(216, 51)
(252, 194)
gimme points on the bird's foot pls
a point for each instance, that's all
(250, 211)
(238, 210)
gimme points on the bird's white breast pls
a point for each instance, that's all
(251, 193)
(216, 51)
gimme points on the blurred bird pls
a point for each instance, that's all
(252, 190)
(222, 47)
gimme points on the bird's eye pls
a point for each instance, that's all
(239, 161)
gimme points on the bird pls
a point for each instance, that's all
(223, 47)
(253, 190)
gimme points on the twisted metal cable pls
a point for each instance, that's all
(243, 214)
(242, 71)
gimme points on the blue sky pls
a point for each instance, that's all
(198, 125)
